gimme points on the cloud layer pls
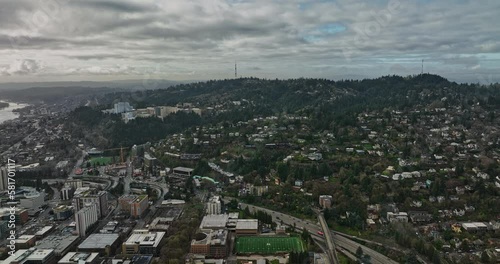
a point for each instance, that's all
(201, 39)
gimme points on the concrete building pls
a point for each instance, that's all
(4, 178)
(79, 258)
(211, 244)
(143, 242)
(122, 107)
(475, 227)
(60, 244)
(86, 196)
(32, 201)
(32, 256)
(85, 218)
(183, 171)
(149, 163)
(105, 244)
(44, 231)
(67, 193)
(73, 183)
(4, 229)
(25, 241)
(167, 110)
(214, 222)
(138, 259)
(214, 206)
(397, 217)
(325, 201)
(247, 227)
(21, 215)
(135, 205)
(62, 212)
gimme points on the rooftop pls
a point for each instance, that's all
(24, 239)
(247, 224)
(98, 241)
(183, 169)
(214, 221)
(75, 257)
(58, 243)
(145, 238)
(31, 255)
(214, 237)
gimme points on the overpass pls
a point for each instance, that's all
(331, 252)
(342, 243)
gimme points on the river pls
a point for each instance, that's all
(7, 114)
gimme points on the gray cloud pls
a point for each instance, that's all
(202, 38)
(21, 67)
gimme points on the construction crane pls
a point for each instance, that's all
(122, 157)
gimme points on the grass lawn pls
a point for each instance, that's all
(101, 160)
(269, 244)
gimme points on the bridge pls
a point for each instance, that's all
(331, 252)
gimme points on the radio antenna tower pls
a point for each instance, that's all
(422, 67)
(235, 71)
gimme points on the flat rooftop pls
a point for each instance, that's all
(246, 224)
(75, 257)
(58, 243)
(214, 221)
(183, 169)
(98, 241)
(149, 239)
(31, 255)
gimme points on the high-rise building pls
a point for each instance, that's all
(136, 205)
(122, 107)
(214, 206)
(86, 195)
(85, 218)
(4, 179)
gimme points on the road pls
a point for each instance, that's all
(128, 178)
(340, 241)
(331, 252)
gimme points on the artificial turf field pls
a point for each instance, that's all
(101, 160)
(268, 245)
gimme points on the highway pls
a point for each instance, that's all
(340, 241)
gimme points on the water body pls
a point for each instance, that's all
(7, 114)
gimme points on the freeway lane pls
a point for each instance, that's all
(340, 241)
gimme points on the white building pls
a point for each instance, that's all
(143, 242)
(79, 258)
(86, 217)
(4, 175)
(214, 206)
(31, 256)
(397, 217)
(122, 107)
(86, 195)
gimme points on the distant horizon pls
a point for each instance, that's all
(175, 82)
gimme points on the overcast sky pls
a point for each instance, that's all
(73, 40)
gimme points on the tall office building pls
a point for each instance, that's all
(4, 175)
(214, 206)
(86, 195)
(85, 218)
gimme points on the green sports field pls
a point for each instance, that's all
(101, 161)
(268, 244)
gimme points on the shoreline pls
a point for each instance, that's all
(8, 112)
